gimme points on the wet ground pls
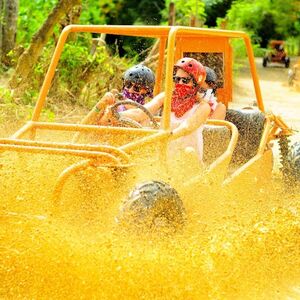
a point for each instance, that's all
(278, 97)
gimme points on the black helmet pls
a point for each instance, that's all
(211, 76)
(153, 204)
(141, 75)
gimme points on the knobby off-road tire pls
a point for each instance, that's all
(152, 205)
(250, 124)
(290, 161)
(294, 157)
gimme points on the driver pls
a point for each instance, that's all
(138, 84)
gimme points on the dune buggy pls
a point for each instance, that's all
(276, 54)
(237, 151)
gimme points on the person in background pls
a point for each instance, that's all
(208, 92)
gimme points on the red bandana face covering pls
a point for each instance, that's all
(183, 99)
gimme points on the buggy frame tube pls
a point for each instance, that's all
(23, 130)
(147, 31)
(250, 53)
(49, 150)
(107, 149)
(169, 79)
(65, 174)
(160, 65)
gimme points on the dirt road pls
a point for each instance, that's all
(277, 95)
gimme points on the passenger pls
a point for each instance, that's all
(209, 90)
(138, 84)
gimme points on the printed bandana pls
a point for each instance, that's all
(135, 96)
(183, 99)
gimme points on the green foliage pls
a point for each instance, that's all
(287, 16)
(5, 96)
(184, 9)
(266, 29)
(246, 15)
(92, 12)
(240, 52)
(258, 51)
(29, 97)
(145, 12)
(239, 49)
(265, 19)
(293, 46)
(129, 12)
(82, 76)
(32, 15)
(73, 59)
(10, 110)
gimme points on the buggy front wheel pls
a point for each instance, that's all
(265, 62)
(287, 62)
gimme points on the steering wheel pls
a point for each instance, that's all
(127, 122)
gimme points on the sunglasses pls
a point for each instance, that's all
(185, 80)
(135, 87)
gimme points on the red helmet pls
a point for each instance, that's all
(193, 68)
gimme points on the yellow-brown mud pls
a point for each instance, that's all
(233, 246)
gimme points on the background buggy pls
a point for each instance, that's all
(276, 54)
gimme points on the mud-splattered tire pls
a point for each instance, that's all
(294, 161)
(250, 124)
(153, 204)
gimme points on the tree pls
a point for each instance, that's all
(127, 13)
(8, 27)
(186, 10)
(216, 9)
(265, 19)
(286, 16)
(267, 29)
(30, 56)
(1, 24)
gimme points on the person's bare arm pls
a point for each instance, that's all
(94, 116)
(195, 121)
(219, 113)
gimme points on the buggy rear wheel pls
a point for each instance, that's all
(294, 162)
(287, 62)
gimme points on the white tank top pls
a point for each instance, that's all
(195, 139)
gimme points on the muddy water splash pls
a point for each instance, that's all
(235, 246)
